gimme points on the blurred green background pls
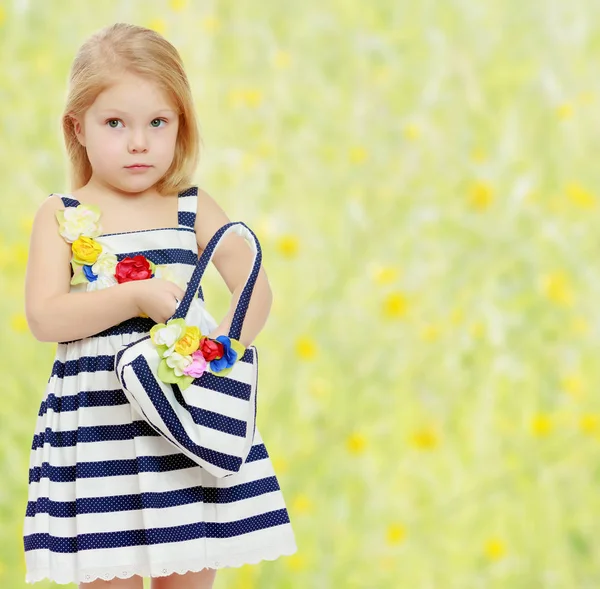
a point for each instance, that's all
(423, 179)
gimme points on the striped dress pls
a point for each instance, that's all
(108, 496)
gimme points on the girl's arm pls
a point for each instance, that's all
(233, 259)
(53, 314)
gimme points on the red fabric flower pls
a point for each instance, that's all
(136, 268)
(211, 349)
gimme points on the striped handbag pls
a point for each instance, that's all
(201, 400)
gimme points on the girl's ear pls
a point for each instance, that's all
(78, 129)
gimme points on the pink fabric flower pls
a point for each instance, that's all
(197, 367)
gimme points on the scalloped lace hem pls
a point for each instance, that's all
(161, 569)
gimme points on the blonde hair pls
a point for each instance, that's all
(124, 48)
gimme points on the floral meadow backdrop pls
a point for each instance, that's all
(423, 178)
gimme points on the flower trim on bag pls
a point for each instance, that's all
(186, 354)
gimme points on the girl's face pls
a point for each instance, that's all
(131, 122)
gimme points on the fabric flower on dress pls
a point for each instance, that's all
(92, 263)
(77, 221)
(85, 250)
(136, 268)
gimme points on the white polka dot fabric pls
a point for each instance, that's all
(109, 496)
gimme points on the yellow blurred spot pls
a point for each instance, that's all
(385, 275)
(288, 245)
(430, 332)
(382, 73)
(282, 59)
(306, 348)
(412, 131)
(557, 288)
(245, 577)
(573, 385)
(480, 196)
(477, 329)
(388, 563)
(320, 388)
(177, 5)
(495, 549)
(253, 97)
(586, 97)
(564, 111)
(356, 443)
(265, 149)
(478, 155)
(248, 162)
(395, 305)
(579, 196)
(457, 315)
(248, 97)
(395, 534)
(589, 423)
(26, 224)
(425, 438)
(2, 15)
(358, 154)
(579, 326)
(158, 25)
(18, 323)
(211, 24)
(296, 562)
(280, 465)
(302, 504)
(541, 425)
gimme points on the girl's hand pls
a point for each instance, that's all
(156, 298)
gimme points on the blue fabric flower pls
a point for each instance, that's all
(87, 270)
(229, 355)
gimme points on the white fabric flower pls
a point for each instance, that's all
(178, 363)
(169, 336)
(105, 265)
(78, 221)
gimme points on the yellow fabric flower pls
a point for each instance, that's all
(190, 342)
(86, 250)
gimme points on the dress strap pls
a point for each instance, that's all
(186, 207)
(68, 201)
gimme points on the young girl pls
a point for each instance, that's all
(109, 498)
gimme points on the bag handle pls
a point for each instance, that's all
(194, 284)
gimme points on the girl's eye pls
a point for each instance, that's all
(159, 120)
(112, 121)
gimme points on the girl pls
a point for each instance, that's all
(111, 501)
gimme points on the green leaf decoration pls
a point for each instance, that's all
(166, 373)
(185, 381)
(154, 329)
(223, 372)
(237, 347)
(78, 276)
